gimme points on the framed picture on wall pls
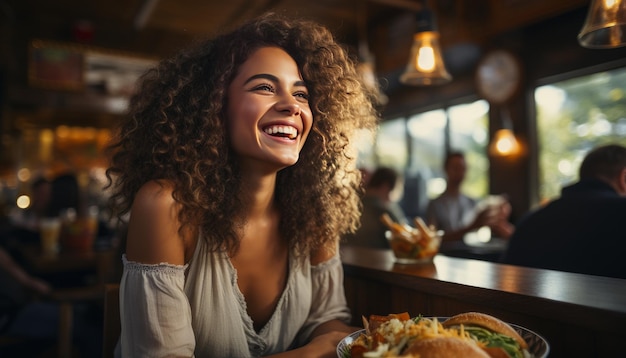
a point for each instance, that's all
(56, 66)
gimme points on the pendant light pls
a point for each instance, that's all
(504, 143)
(605, 26)
(425, 66)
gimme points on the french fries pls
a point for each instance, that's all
(427, 232)
(398, 229)
(412, 243)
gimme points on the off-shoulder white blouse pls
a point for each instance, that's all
(197, 310)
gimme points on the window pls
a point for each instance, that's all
(416, 146)
(466, 127)
(391, 146)
(469, 132)
(428, 131)
(574, 116)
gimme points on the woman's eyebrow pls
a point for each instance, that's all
(272, 78)
(266, 76)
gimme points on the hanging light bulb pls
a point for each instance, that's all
(425, 66)
(605, 25)
(504, 142)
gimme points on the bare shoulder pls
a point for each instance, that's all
(153, 228)
(323, 254)
(154, 195)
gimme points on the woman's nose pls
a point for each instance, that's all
(289, 105)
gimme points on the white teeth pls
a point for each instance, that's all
(287, 131)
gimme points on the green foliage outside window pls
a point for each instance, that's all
(574, 116)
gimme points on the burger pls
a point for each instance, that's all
(498, 338)
(467, 335)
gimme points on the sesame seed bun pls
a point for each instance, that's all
(486, 321)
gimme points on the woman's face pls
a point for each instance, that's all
(268, 110)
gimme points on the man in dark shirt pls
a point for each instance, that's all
(584, 230)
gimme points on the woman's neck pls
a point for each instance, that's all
(257, 194)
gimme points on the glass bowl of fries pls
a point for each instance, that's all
(410, 244)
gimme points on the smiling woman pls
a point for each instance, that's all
(229, 148)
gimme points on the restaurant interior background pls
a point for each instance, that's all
(67, 69)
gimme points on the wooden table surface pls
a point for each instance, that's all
(602, 293)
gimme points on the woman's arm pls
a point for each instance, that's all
(324, 343)
(155, 312)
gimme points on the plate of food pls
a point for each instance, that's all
(468, 335)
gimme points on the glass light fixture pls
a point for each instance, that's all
(504, 143)
(425, 66)
(605, 26)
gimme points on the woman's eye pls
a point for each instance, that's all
(302, 95)
(264, 87)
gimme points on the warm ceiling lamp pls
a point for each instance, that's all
(605, 26)
(425, 65)
(504, 143)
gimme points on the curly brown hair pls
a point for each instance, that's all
(177, 131)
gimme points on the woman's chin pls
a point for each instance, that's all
(288, 159)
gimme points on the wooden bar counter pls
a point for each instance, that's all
(579, 315)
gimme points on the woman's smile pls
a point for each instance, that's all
(281, 131)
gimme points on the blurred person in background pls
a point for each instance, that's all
(21, 226)
(17, 286)
(65, 196)
(31, 319)
(20, 293)
(458, 214)
(28, 314)
(584, 229)
(380, 197)
(70, 201)
(414, 194)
